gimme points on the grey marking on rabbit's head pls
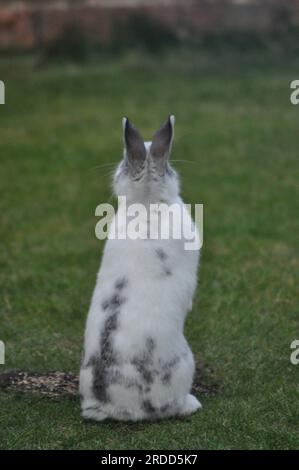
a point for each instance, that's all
(145, 168)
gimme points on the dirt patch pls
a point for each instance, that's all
(49, 384)
(205, 383)
(56, 385)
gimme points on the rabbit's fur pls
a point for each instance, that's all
(137, 364)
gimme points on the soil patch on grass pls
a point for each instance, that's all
(57, 384)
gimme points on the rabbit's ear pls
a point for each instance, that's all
(133, 142)
(162, 140)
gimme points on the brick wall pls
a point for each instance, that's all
(31, 23)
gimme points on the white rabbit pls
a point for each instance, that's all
(137, 364)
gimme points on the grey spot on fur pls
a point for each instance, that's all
(144, 370)
(114, 301)
(100, 380)
(118, 378)
(166, 378)
(167, 369)
(144, 364)
(148, 407)
(110, 325)
(105, 304)
(165, 408)
(103, 364)
(152, 411)
(162, 255)
(134, 384)
(121, 283)
(147, 375)
(150, 344)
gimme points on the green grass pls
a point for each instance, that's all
(237, 126)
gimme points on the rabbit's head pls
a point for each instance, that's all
(145, 173)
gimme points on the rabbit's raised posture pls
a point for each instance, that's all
(137, 364)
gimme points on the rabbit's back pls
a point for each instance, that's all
(139, 366)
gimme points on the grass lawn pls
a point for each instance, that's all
(59, 128)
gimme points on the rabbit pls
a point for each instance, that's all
(137, 364)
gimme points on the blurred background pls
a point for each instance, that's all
(72, 70)
(75, 28)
